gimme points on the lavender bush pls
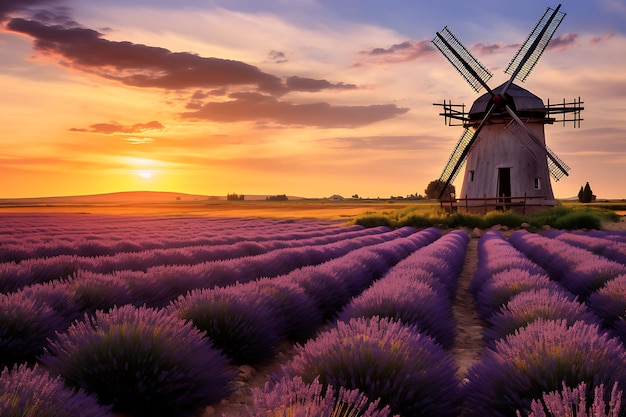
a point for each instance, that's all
(91, 292)
(25, 326)
(413, 303)
(383, 359)
(539, 358)
(32, 392)
(575, 403)
(142, 361)
(294, 397)
(496, 254)
(246, 329)
(528, 306)
(289, 302)
(502, 286)
(609, 302)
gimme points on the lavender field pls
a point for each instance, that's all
(104, 315)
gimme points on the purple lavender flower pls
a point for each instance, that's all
(33, 392)
(294, 397)
(414, 303)
(577, 402)
(528, 306)
(383, 359)
(502, 286)
(539, 358)
(142, 361)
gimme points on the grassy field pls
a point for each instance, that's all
(392, 213)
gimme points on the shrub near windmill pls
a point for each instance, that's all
(508, 162)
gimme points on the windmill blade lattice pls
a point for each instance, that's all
(531, 50)
(456, 160)
(474, 72)
(557, 167)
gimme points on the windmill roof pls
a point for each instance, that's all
(520, 99)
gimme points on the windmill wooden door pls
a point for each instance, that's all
(504, 186)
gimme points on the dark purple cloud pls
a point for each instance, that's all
(115, 127)
(10, 7)
(140, 65)
(308, 84)
(263, 108)
(563, 41)
(410, 50)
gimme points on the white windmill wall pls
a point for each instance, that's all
(498, 148)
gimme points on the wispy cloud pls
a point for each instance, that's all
(115, 127)
(264, 108)
(409, 50)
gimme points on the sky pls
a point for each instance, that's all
(299, 97)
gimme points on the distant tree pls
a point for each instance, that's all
(279, 197)
(356, 196)
(233, 197)
(587, 194)
(580, 194)
(434, 189)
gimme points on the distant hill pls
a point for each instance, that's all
(126, 197)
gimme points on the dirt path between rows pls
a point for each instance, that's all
(468, 344)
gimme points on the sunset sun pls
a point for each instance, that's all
(144, 174)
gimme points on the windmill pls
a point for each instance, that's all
(503, 144)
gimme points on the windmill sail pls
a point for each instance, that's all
(465, 63)
(556, 166)
(456, 160)
(531, 50)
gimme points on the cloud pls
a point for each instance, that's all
(386, 143)
(488, 49)
(9, 7)
(139, 141)
(140, 65)
(115, 127)
(263, 108)
(277, 57)
(406, 51)
(308, 84)
(564, 41)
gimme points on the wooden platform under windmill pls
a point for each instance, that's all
(503, 145)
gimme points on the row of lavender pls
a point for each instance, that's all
(545, 350)
(145, 360)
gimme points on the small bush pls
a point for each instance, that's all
(578, 220)
(143, 361)
(539, 358)
(372, 220)
(383, 359)
(294, 397)
(507, 218)
(465, 220)
(245, 329)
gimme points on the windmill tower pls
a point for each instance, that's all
(503, 144)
